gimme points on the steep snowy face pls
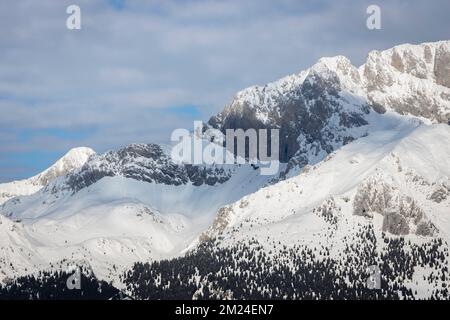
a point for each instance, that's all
(410, 79)
(71, 161)
(326, 106)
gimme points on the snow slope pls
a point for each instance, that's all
(396, 179)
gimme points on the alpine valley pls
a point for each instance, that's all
(364, 182)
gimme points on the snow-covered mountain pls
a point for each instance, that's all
(398, 177)
(72, 160)
(382, 201)
(326, 106)
(133, 204)
(365, 180)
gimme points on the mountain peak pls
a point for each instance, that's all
(78, 152)
(73, 159)
(332, 63)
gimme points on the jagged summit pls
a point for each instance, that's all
(142, 162)
(427, 61)
(410, 79)
(424, 61)
(331, 100)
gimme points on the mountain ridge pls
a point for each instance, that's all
(407, 79)
(357, 166)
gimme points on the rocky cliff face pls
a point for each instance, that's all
(401, 213)
(410, 80)
(314, 111)
(142, 162)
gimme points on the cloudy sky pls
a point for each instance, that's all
(138, 69)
